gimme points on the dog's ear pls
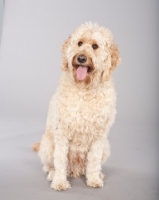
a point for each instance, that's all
(112, 61)
(64, 56)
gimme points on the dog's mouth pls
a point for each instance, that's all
(82, 71)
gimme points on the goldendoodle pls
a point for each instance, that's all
(82, 110)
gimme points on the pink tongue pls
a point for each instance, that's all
(81, 72)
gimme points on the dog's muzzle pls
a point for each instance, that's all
(83, 65)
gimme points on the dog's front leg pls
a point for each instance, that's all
(94, 160)
(60, 163)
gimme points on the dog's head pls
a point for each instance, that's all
(90, 54)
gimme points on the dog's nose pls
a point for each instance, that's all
(82, 58)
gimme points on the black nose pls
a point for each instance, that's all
(82, 58)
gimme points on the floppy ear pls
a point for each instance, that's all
(64, 56)
(112, 61)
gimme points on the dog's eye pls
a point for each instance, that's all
(80, 43)
(95, 46)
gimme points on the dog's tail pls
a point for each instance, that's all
(36, 146)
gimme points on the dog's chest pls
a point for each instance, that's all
(85, 113)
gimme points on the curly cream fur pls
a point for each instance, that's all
(81, 112)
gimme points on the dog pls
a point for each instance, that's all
(82, 110)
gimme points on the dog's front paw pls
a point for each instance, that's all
(60, 185)
(95, 182)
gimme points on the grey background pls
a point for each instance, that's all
(1, 16)
(30, 61)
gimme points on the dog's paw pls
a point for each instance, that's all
(60, 185)
(96, 182)
(50, 175)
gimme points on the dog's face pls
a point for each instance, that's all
(90, 54)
